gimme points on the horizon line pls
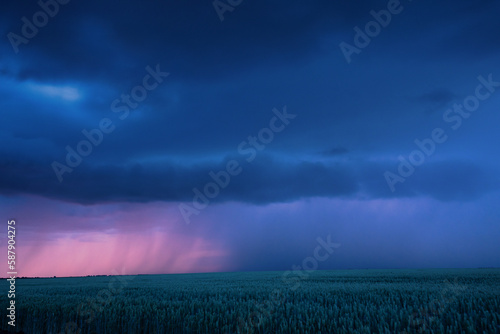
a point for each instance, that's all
(246, 271)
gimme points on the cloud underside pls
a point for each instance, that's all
(264, 180)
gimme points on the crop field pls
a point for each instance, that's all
(345, 301)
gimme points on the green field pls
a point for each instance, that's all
(345, 301)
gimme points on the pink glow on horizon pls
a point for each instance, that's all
(64, 239)
(131, 253)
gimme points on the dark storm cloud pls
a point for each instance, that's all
(265, 180)
(107, 41)
(110, 40)
(322, 175)
(225, 78)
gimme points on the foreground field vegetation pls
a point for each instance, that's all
(349, 301)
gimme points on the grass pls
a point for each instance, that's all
(345, 301)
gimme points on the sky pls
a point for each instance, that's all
(177, 137)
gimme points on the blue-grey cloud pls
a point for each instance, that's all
(225, 78)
